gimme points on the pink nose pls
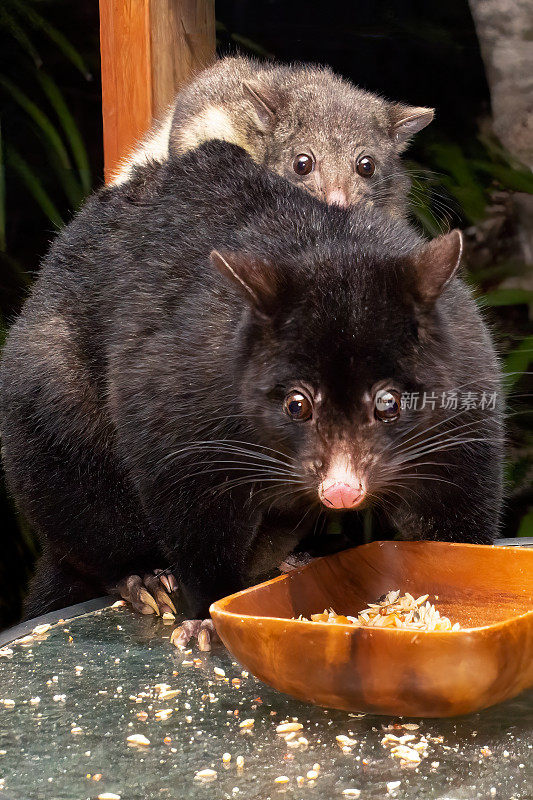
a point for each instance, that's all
(337, 196)
(336, 494)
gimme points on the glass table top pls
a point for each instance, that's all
(72, 696)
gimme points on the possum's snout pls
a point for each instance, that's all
(341, 487)
(337, 494)
(338, 197)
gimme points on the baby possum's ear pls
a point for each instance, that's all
(432, 266)
(266, 101)
(260, 283)
(406, 121)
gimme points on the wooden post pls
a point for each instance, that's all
(149, 48)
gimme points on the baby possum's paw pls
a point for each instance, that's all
(149, 595)
(201, 629)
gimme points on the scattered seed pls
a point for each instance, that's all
(352, 792)
(288, 727)
(300, 780)
(345, 741)
(39, 629)
(206, 775)
(169, 694)
(108, 796)
(247, 723)
(312, 775)
(392, 785)
(163, 714)
(226, 758)
(240, 762)
(138, 739)
(219, 672)
(76, 730)
(406, 755)
(281, 779)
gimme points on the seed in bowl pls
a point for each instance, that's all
(392, 611)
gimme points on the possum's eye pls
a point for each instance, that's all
(365, 166)
(298, 407)
(387, 405)
(303, 164)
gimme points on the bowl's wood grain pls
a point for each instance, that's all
(488, 590)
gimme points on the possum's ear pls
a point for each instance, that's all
(260, 283)
(406, 121)
(265, 101)
(434, 265)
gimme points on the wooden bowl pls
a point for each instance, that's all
(488, 590)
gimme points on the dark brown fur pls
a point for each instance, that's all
(143, 419)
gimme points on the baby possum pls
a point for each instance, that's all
(210, 359)
(340, 143)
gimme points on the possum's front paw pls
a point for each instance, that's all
(148, 595)
(201, 629)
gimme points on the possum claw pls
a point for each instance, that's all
(164, 602)
(162, 597)
(202, 630)
(147, 595)
(204, 640)
(168, 580)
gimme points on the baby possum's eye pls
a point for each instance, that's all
(298, 407)
(387, 405)
(303, 164)
(366, 166)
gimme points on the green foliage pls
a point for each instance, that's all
(455, 187)
(44, 176)
(526, 524)
(508, 297)
(55, 156)
(226, 37)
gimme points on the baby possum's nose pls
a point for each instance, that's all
(341, 488)
(337, 196)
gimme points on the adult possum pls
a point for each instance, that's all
(209, 358)
(337, 141)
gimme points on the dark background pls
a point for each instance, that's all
(417, 52)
